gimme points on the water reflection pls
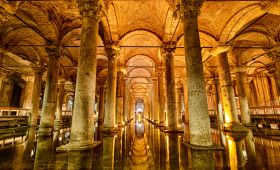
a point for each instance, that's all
(140, 145)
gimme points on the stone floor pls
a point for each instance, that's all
(140, 145)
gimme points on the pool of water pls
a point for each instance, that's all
(140, 145)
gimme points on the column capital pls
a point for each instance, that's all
(168, 48)
(90, 8)
(38, 69)
(112, 50)
(190, 9)
(222, 48)
(53, 50)
(274, 52)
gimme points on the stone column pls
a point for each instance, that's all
(101, 104)
(128, 98)
(185, 89)
(244, 106)
(27, 98)
(82, 134)
(58, 114)
(178, 103)
(156, 100)
(161, 96)
(124, 101)
(2, 75)
(45, 132)
(219, 108)
(119, 108)
(227, 91)
(50, 94)
(111, 87)
(274, 53)
(199, 124)
(38, 72)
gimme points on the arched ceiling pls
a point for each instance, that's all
(140, 27)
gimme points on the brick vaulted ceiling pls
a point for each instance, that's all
(140, 27)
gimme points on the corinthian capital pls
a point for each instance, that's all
(90, 8)
(168, 49)
(112, 50)
(190, 8)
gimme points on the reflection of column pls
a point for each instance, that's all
(108, 151)
(250, 149)
(202, 159)
(161, 96)
(119, 108)
(110, 105)
(29, 143)
(44, 143)
(58, 114)
(82, 135)
(244, 106)
(101, 104)
(235, 151)
(156, 100)
(173, 151)
(170, 86)
(200, 133)
(38, 72)
(80, 160)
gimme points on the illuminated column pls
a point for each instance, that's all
(27, 101)
(219, 107)
(170, 86)
(156, 100)
(58, 114)
(199, 122)
(1, 71)
(82, 134)
(227, 91)
(244, 106)
(128, 98)
(178, 103)
(185, 89)
(38, 72)
(111, 87)
(161, 96)
(50, 94)
(274, 53)
(119, 107)
(124, 117)
(101, 104)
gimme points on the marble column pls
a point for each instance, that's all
(124, 117)
(178, 104)
(82, 130)
(38, 72)
(50, 94)
(1, 72)
(45, 132)
(169, 50)
(156, 100)
(199, 124)
(101, 104)
(127, 96)
(219, 108)
(111, 87)
(119, 107)
(244, 106)
(161, 105)
(227, 91)
(58, 114)
(185, 89)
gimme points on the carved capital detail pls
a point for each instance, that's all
(113, 51)
(190, 9)
(90, 8)
(38, 69)
(53, 51)
(168, 50)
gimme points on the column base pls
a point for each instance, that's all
(234, 127)
(109, 130)
(198, 147)
(75, 147)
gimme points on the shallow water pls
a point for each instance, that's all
(140, 145)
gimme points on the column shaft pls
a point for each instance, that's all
(82, 120)
(50, 96)
(170, 89)
(161, 98)
(101, 104)
(199, 124)
(119, 98)
(38, 71)
(244, 106)
(227, 91)
(156, 101)
(110, 105)
(219, 108)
